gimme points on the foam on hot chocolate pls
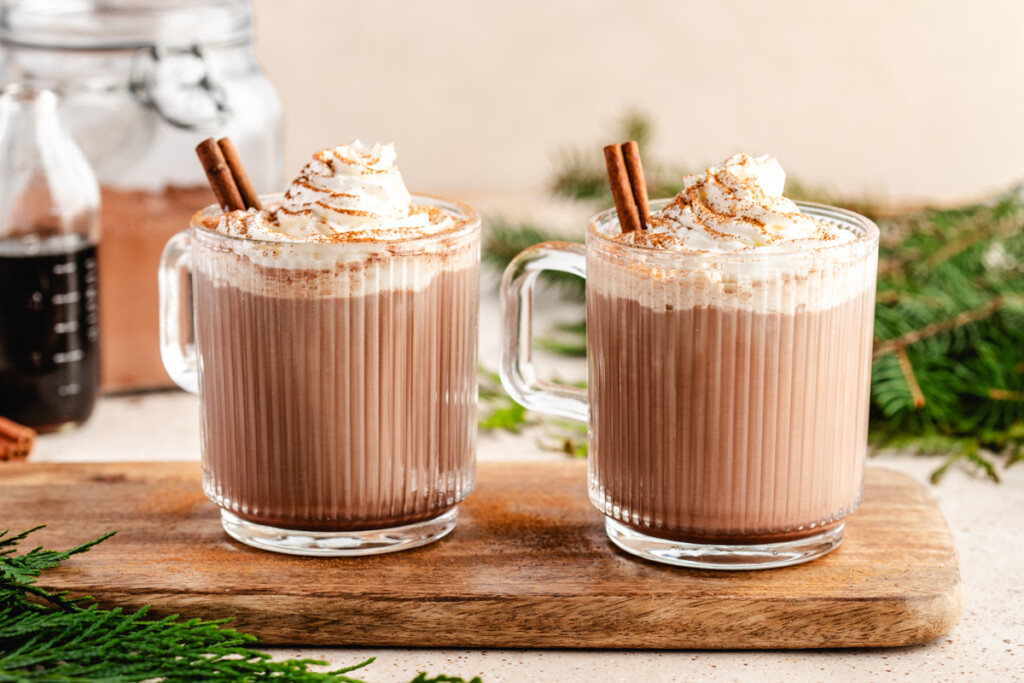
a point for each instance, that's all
(349, 193)
(736, 206)
(346, 226)
(731, 240)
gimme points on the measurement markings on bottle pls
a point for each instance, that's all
(69, 327)
(66, 298)
(72, 356)
(69, 268)
(92, 318)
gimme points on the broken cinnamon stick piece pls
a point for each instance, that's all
(16, 440)
(622, 193)
(219, 175)
(631, 155)
(245, 188)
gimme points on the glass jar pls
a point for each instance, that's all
(143, 82)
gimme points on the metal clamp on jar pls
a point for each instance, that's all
(142, 84)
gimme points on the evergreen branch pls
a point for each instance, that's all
(499, 412)
(1016, 455)
(568, 339)
(892, 297)
(950, 249)
(65, 641)
(581, 173)
(564, 436)
(506, 239)
(969, 451)
(908, 374)
(938, 327)
(938, 474)
(1005, 395)
(919, 241)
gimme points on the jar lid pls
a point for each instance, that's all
(123, 24)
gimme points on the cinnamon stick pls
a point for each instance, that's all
(622, 192)
(16, 440)
(248, 192)
(219, 174)
(631, 155)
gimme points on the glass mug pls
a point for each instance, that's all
(727, 394)
(337, 382)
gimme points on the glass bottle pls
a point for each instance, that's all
(49, 233)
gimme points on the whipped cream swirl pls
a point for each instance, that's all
(733, 207)
(352, 192)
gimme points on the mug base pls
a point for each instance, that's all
(721, 556)
(338, 543)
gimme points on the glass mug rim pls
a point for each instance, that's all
(866, 240)
(469, 217)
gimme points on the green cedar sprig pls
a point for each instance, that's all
(50, 637)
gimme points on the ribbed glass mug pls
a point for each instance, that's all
(728, 393)
(337, 382)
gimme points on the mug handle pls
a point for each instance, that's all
(517, 372)
(177, 328)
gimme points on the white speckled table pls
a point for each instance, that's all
(986, 645)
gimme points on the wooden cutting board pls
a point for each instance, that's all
(528, 566)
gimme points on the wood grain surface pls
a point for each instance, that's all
(528, 566)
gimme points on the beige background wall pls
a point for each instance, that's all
(907, 99)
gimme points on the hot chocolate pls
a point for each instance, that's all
(730, 363)
(752, 429)
(336, 335)
(729, 349)
(337, 410)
